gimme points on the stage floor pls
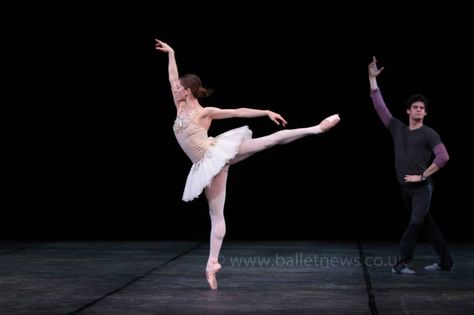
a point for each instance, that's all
(274, 277)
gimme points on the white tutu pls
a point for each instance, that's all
(223, 149)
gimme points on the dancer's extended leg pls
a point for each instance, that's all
(215, 194)
(252, 146)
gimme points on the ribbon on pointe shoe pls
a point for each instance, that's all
(211, 270)
(211, 280)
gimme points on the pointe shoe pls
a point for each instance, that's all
(211, 271)
(329, 122)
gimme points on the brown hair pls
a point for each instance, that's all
(193, 82)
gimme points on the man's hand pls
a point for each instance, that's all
(373, 70)
(413, 178)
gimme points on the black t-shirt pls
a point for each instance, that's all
(413, 148)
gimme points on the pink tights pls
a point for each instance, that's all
(215, 193)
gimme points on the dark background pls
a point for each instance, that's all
(88, 140)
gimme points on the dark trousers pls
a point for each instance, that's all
(417, 199)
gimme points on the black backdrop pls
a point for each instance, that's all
(91, 154)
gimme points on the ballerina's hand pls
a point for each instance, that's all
(160, 45)
(277, 119)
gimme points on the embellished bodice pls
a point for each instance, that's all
(191, 136)
(182, 121)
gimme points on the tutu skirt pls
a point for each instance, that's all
(223, 149)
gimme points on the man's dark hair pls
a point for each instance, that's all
(417, 98)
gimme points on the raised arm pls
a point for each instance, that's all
(373, 73)
(172, 67)
(217, 113)
(377, 99)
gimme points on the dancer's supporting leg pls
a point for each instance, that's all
(215, 195)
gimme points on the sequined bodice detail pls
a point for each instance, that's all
(191, 136)
(182, 121)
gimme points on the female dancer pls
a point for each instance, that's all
(211, 156)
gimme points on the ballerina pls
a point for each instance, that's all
(212, 156)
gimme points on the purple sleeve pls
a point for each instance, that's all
(441, 155)
(380, 106)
